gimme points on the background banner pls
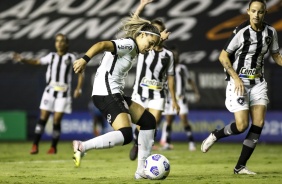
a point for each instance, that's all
(79, 125)
(13, 125)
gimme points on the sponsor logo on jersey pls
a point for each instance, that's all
(151, 84)
(128, 47)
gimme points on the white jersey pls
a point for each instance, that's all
(114, 67)
(59, 73)
(247, 48)
(151, 73)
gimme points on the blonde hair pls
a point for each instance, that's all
(134, 25)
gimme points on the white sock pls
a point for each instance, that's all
(145, 143)
(107, 140)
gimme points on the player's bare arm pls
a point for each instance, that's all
(225, 61)
(171, 87)
(78, 89)
(277, 58)
(141, 7)
(80, 64)
(17, 57)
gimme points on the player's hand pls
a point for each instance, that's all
(79, 65)
(77, 93)
(176, 107)
(17, 57)
(164, 35)
(239, 87)
(145, 2)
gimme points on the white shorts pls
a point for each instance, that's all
(52, 104)
(183, 104)
(254, 95)
(147, 103)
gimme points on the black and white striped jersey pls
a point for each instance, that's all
(59, 73)
(151, 73)
(114, 67)
(181, 78)
(247, 48)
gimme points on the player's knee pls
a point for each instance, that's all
(127, 134)
(242, 127)
(147, 121)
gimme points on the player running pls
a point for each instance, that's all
(246, 91)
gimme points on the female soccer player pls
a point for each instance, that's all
(153, 69)
(57, 94)
(246, 92)
(182, 78)
(108, 86)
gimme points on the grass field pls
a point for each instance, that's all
(114, 166)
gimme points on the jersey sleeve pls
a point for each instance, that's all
(45, 60)
(123, 46)
(232, 43)
(274, 46)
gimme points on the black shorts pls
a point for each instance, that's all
(112, 105)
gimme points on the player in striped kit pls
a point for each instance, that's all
(153, 70)
(57, 94)
(246, 92)
(182, 78)
(108, 96)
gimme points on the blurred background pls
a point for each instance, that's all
(200, 29)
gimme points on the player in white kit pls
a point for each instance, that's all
(57, 94)
(246, 92)
(182, 79)
(108, 94)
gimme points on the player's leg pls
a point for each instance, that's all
(155, 107)
(239, 126)
(147, 123)
(56, 132)
(169, 120)
(239, 105)
(39, 130)
(188, 131)
(118, 116)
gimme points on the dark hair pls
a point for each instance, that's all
(261, 1)
(66, 39)
(160, 23)
(63, 35)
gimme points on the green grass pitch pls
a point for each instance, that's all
(113, 165)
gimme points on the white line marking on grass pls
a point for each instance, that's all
(36, 161)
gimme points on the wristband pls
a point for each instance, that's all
(86, 58)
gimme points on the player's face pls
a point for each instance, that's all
(61, 43)
(256, 12)
(146, 42)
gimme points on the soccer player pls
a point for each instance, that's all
(57, 94)
(108, 96)
(153, 70)
(182, 78)
(246, 92)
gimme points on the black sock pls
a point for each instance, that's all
(56, 134)
(189, 134)
(249, 145)
(39, 130)
(136, 133)
(168, 134)
(230, 129)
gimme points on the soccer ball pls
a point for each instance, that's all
(156, 167)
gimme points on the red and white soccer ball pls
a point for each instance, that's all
(156, 167)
